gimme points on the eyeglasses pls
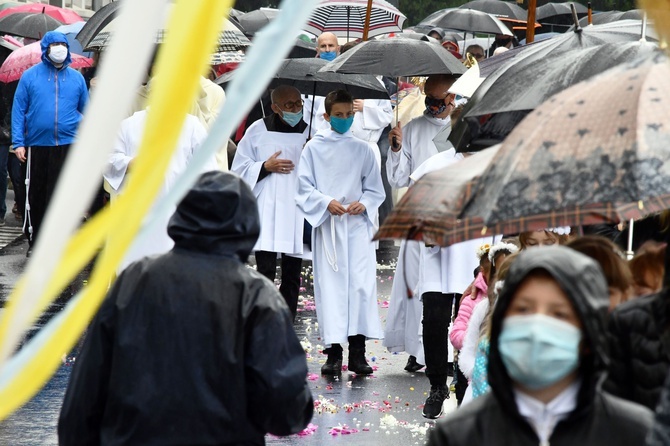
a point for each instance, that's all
(292, 105)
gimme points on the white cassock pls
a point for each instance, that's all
(282, 222)
(343, 168)
(403, 321)
(125, 149)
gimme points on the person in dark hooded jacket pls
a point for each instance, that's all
(191, 347)
(548, 353)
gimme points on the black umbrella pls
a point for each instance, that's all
(97, 22)
(397, 57)
(504, 101)
(552, 10)
(302, 49)
(612, 16)
(468, 20)
(253, 21)
(28, 24)
(500, 9)
(304, 75)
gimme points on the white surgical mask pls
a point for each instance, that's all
(58, 54)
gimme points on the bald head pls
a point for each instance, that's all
(327, 46)
(284, 93)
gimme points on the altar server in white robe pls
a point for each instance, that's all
(413, 146)
(266, 159)
(119, 165)
(339, 190)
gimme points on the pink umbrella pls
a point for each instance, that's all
(65, 16)
(25, 57)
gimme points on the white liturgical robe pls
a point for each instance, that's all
(282, 222)
(343, 168)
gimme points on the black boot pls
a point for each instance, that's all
(357, 362)
(413, 366)
(333, 365)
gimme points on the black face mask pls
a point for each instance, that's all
(435, 106)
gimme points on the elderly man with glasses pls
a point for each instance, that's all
(267, 158)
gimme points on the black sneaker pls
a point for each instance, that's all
(433, 407)
(413, 366)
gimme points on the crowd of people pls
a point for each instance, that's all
(559, 338)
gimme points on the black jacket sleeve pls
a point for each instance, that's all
(619, 377)
(278, 397)
(85, 398)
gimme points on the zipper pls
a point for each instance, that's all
(56, 113)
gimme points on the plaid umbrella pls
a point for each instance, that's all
(25, 57)
(347, 18)
(595, 153)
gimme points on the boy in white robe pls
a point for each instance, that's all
(339, 190)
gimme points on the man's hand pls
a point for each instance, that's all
(336, 208)
(358, 105)
(355, 208)
(278, 165)
(20, 153)
(396, 133)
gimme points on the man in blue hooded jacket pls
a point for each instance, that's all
(48, 106)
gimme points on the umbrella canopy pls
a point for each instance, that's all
(97, 22)
(552, 10)
(474, 132)
(253, 21)
(65, 16)
(304, 75)
(397, 57)
(71, 32)
(23, 58)
(597, 152)
(497, 8)
(230, 39)
(431, 207)
(302, 49)
(28, 24)
(468, 20)
(347, 18)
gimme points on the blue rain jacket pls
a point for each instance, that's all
(49, 101)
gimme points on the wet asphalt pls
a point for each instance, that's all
(352, 410)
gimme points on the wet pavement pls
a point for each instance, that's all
(351, 410)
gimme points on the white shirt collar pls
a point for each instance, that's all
(544, 417)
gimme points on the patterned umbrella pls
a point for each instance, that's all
(25, 57)
(65, 16)
(347, 18)
(596, 153)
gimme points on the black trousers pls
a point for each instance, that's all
(45, 166)
(436, 319)
(266, 264)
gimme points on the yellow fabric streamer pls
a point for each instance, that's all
(191, 25)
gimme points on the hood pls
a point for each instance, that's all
(54, 37)
(218, 216)
(583, 282)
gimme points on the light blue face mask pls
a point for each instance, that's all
(328, 55)
(341, 125)
(292, 119)
(539, 350)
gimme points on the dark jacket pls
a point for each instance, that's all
(191, 347)
(598, 419)
(660, 434)
(640, 349)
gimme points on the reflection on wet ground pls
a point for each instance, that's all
(358, 410)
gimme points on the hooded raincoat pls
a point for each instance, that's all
(598, 418)
(49, 101)
(191, 347)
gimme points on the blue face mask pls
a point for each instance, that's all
(341, 125)
(328, 55)
(292, 119)
(539, 350)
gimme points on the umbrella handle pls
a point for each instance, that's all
(630, 253)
